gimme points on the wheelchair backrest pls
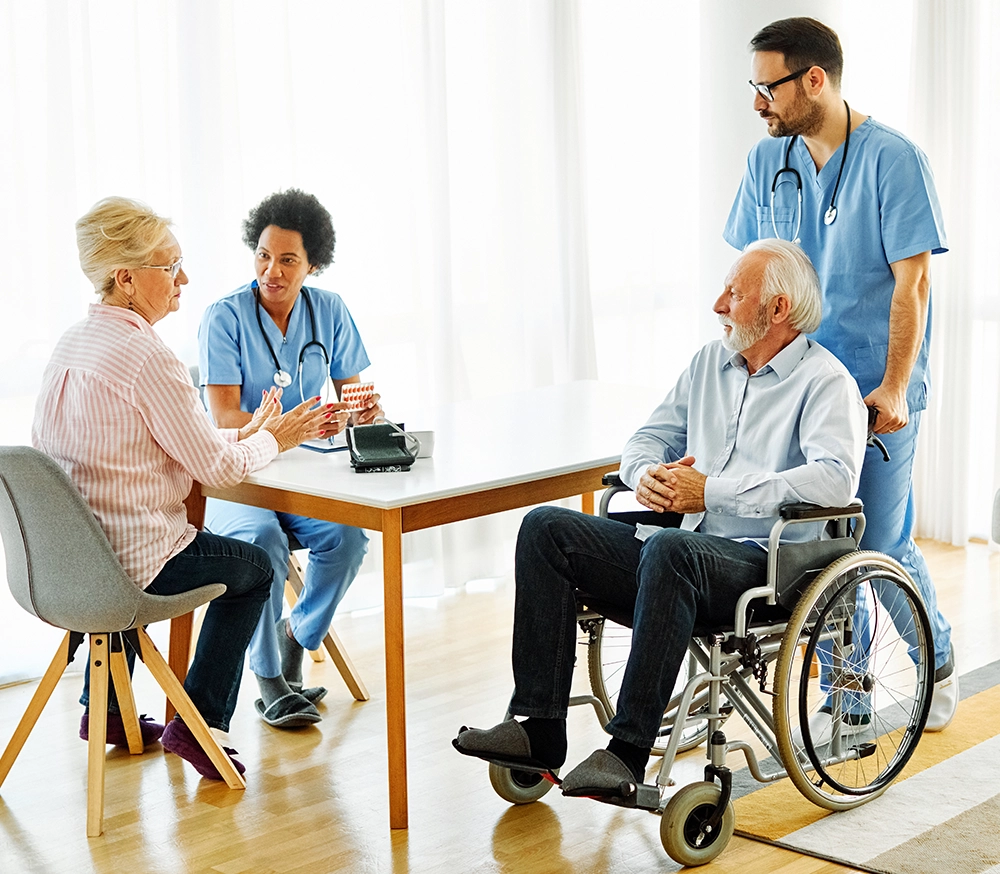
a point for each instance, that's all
(799, 564)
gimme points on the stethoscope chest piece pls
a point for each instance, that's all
(831, 216)
(282, 378)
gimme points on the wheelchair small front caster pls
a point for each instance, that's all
(518, 787)
(682, 825)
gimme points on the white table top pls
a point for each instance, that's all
(481, 445)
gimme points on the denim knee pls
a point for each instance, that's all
(670, 546)
(537, 523)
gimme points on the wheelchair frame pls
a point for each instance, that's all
(824, 580)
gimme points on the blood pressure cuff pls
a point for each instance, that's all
(378, 448)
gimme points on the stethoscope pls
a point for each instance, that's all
(282, 378)
(831, 214)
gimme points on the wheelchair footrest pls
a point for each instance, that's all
(636, 796)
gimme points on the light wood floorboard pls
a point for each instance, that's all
(316, 799)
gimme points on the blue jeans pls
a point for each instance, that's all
(670, 583)
(213, 679)
(335, 556)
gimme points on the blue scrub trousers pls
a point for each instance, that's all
(887, 492)
(335, 556)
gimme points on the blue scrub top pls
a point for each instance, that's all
(232, 350)
(887, 210)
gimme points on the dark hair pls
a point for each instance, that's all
(294, 210)
(805, 42)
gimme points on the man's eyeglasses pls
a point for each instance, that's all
(766, 89)
(172, 269)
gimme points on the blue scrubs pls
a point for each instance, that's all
(888, 210)
(232, 351)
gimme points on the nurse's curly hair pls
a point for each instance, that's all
(294, 210)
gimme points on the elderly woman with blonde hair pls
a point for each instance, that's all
(117, 411)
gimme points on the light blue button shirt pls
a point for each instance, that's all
(794, 431)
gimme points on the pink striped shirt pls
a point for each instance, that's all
(117, 411)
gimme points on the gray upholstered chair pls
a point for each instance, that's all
(293, 589)
(61, 568)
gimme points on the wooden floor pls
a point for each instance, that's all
(316, 798)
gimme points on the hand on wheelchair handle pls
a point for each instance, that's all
(873, 439)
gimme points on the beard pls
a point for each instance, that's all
(802, 119)
(742, 337)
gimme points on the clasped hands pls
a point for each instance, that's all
(675, 487)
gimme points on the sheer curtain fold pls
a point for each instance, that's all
(955, 119)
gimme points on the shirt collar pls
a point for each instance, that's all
(109, 311)
(782, 364)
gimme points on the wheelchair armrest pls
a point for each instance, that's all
(611, 478)
(802, 512)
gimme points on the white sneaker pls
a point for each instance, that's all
(944, 699)
(821, 727)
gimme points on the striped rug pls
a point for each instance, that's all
(941, 815)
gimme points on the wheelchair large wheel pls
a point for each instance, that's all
(518, 787)
(607, 652)
(864, 622)
(681, 825)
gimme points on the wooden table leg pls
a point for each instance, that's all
(179, 651)
(395, 688)
(587, 503)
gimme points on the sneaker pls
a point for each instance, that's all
(944, 700)
(150, 730)
(178, 739)
(821, 727)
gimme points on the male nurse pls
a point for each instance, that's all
(859, 198)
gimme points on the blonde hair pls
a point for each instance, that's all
(115, 233)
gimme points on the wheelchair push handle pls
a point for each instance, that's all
(873, 438)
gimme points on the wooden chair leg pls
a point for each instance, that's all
(344, 664)
(293, 588)
(98, 730)
(161, 672)
(333, 644)
(126, 700)
(814, 667)
(35, 706)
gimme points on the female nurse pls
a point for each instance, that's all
(276, 330)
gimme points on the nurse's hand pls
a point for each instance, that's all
(370, 413)
(307, 421)
(893, 412)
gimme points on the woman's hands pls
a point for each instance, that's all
(307, 421)
(269, 409)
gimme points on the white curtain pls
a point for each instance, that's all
(498, 222)
(955, 98)
(525, 192)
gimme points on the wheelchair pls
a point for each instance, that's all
(841, 733)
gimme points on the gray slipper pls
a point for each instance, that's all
(505, 744)
(601, 775)
(289, 711)
(312, 694)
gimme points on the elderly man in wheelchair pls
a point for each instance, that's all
(759, 447)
